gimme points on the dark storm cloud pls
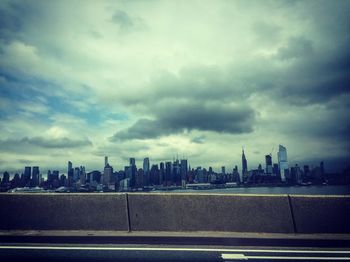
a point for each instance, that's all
(14, 16)
(199, 84)
(296, 47)
(143, 129)
(187, 116)
(41, 142)
(316, 77)
(332, 124)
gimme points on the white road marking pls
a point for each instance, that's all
(175, 249)
(236, 256)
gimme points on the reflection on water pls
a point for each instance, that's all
(294, 190)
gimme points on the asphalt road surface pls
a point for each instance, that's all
(107, 252)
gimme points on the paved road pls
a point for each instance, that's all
(107, 252)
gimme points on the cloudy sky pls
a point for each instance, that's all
(83, 79)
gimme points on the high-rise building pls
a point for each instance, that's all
(268, 162)
(82, 175)
(70, 170)
(35, 176)
(176, 172)
(184, 169)
(283, 162)
(6, 177)
(146, 172)
(76, 174)
(244, 166)
(146, 164)
(106, 160)
(107, 174)
(168, 173)
(162, 178)
(133, 171)
(26, 176)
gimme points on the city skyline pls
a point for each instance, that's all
(170, 175)
(84, 79)
(146, 162)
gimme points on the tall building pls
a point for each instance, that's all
(146, 171)
(35, 176)
(107, 174)
(76, 174)
(168, 173)
(283, 162)
(26, 175)
(133, 171)
(70, 170)
(184, 169)
(106, 160)
(162, 178)
(268, 162)
(244, 164)
(82, 175)
(146, 164)
(6, 177)
(176, 172)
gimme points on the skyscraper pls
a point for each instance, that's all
(244, 165)
(146, 164)
(184, 169)
(168, 173)
(76, 174)
(283, 162)
(146, 172)
(70, 169)
(107, 174)
(106, 160)
(35, 176)
(133, 171)
(268, 162)
(27, 174)
(82, 175)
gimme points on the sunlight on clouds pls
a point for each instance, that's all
(56, 132)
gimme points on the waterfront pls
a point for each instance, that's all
(292, 190)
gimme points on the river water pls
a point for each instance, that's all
(293, 190)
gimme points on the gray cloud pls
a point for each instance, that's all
(267, 33)
(198, 139)
(127, 22)
(143, 129)
(191, 115)
(122, 19)
(296, 48)
(64, 142)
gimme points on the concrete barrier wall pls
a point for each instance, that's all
(210, 212)
(321, 214)
(63, 212)
(175, 212)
